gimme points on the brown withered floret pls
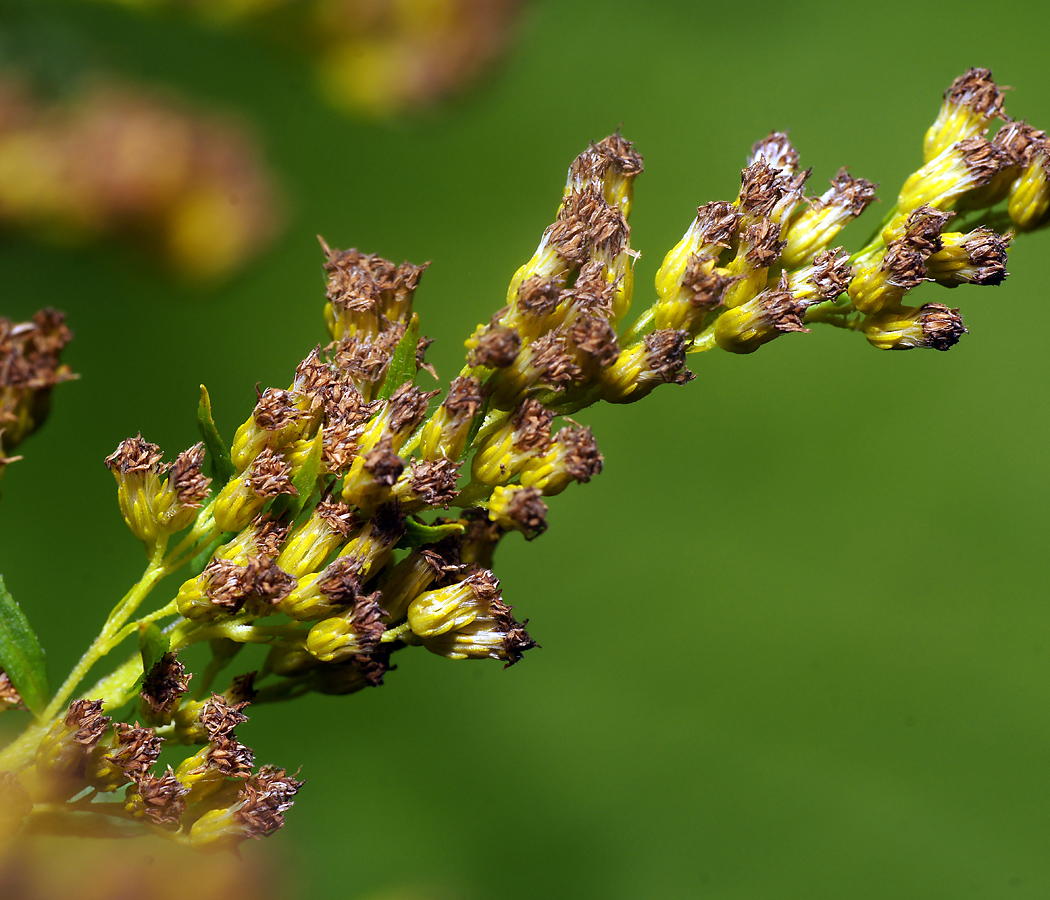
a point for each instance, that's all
(219, 717)
(717, 222)
(86, 721)
(981, 157)
(383, 464)
(497, 348)
(275, 409)
(340, 582)
(229, 757)
(904, 266)
(264, 799)
(780, 309)
(527, 509)
(706, 288)
(231, 586)
(135, 455)
(763, 243)
(164, 685)
(337, 515)
(538, 296)
(614, 152)
(186, 478)
(162, 797)
(407, 407)
(976, 90)
(582, 457)
(776, 151)
(987, 252)
(364, 360)
(9, 696)
(532, 426)
(761, 188)
(665, 357)
(941, 327)
(434, 481)
(831, 273)
(1020, 141)
(464, 397)
(551, 358)
(315, 375)
(922, 231)
(854, 194)
(269, 535)
(592, 292)
(271, 475)
(136, 751)
(595, 338)
(367, 617)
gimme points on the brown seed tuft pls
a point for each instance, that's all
(941, 327)
(135, 455)
(532, 426)
(164, 685)
(497, 347)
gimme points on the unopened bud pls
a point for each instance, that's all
(932, 326)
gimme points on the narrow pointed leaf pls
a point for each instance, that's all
(153, 644)
(221, 464)
(20, 654)
(402, 366)
(304, 481)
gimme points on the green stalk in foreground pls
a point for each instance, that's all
(355, 516)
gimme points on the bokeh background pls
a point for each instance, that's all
(796, 640)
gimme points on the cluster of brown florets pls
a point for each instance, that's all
(214, 799)
(29, 370)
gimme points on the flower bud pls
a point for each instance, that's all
(500, 456)
(759, 248)
(1030, 193)
(970, 104)
(255, 811)
(64, 750)
(410, 577)
(824, 279)
(455, 606)
(323, 593)
(572, 456)
(978, 257)
(493, 635)
(126, 757)
(931, 326)
(428, 484)
(519, 509)
(445, 433)
(159, 799)
(659, 358)
(162, 689)
(768, 315)
(224, 588)
(357, 630)
(700, 288)
(372, 475)
(881, 280)
(376, 540)
(137, 468)
(959, 168)
(280, 418)
(309, 545)
(243, 497)
(813, 229)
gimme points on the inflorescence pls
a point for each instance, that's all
(356, 514)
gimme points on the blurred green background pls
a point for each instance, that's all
(795, 637)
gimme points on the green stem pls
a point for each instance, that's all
(640, 326)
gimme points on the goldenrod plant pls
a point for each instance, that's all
(356, 513)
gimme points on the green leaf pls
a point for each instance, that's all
(479, 420)
(304, 481)
(20, 654)
(402, 366)
(417, 534)
(153, 644)
(221, 464)
(199, 561)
